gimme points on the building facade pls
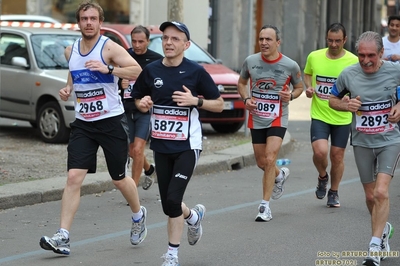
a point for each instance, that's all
(229, 28)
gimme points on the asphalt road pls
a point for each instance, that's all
(302, 232)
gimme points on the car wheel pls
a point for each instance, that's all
(51, 124)
(227, 128)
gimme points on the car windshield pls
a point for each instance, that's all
(194, 52)
(49, 50)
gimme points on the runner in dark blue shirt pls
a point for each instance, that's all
(171, 88)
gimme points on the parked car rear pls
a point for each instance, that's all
(232, 117)
(32, 71)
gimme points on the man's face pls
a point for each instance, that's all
(394, 28)
(335, 41)
(369, 57)
(268, 43)
(139, 43)
(89, 23)
(174, 42)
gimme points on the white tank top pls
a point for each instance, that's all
(96, 94)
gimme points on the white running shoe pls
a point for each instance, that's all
(149, 179)
(169, 260)
(373, 258)
(195, 231)
(264, 214)
(139, 229)
(387, 234)
(278, 189)
(58, 243)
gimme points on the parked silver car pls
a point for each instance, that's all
(28, 18)
(32, 71)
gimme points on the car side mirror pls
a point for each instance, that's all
(19, 61)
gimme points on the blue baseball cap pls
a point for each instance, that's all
(179, 25)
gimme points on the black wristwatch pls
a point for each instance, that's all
(200, 102)
(110, 68)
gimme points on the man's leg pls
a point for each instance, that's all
(270, 169)
(129, 190)
(137, 153)
(82, 150)
(71, 197)
(377, 200)
(146, 164)
(266, 155)
(320, 156)
(319, 135)
(175, 226)
(380, 210)
(337, 167)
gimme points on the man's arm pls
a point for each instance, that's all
(65, 92)
(242, 88)
(307, 80)
(338, 104)
(187, 99)
(394, 115)
(125, 66)
(297, 90)
(345, 104)
(213, 105)
(392, 57)
(308, 83)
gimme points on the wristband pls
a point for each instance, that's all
(291, 96)
(200, 102)
(245, 99)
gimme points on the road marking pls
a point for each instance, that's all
(163, 224)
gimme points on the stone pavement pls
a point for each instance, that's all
(50, 189)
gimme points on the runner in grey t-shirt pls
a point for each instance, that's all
(270, 74)
(369, 91)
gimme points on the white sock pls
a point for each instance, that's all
(193, 218)
(375, 240)
(173, 251)
(279, 177)
(265, 203)
(64, 232)
(137, 216)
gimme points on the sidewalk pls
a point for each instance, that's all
(50, 189)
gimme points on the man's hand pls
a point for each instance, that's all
(352, 104)
(251, 104)
(125, 83)
(65, 93)
(394, 115)
(285, 94)
(95, 65)
(184, 98)
(145, 104)
(309, 92)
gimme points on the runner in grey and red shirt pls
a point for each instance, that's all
(270, 74)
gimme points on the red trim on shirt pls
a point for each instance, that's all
(271, 61)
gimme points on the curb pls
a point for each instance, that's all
(51, 189)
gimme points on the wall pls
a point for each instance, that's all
(302, 23)
(195, 17)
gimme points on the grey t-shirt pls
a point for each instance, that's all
(378, 92)
(268, 78)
